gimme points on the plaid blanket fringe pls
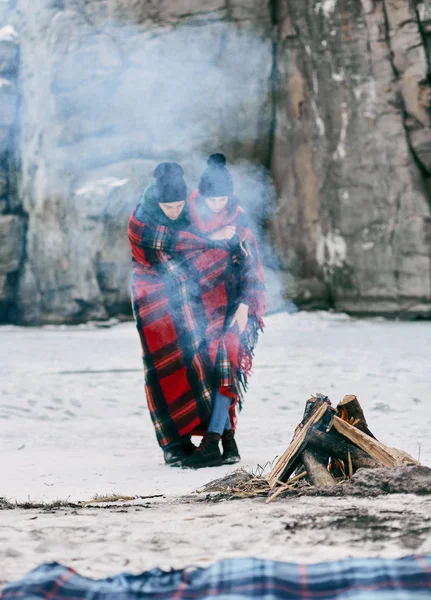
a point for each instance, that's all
(353, 579)
(249, 341)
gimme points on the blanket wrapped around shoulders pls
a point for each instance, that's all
(228, 276)
(169, 317)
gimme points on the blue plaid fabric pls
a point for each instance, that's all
(353, 579)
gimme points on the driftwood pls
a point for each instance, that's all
(332, 445)
(288, 461)
(317, 470)
(338, 446)
(404, 457)
(351, 411)
(313, 404)
(386, 456)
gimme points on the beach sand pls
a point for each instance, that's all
(74, 423)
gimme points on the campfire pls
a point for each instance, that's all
(328, 447)
(331, 444)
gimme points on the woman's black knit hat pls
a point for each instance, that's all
(170, 185)
(216, 179)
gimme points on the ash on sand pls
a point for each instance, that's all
(406, 479)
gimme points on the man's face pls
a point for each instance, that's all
(172, 209)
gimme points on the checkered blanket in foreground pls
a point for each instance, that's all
(354, 579)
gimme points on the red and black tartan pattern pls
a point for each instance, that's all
(166, 308)
(228, 277)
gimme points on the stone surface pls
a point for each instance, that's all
(8, 99)
(11, 226)
(334, 98)
(8, 50)
(400, 480)
(354, 218)
(6, 298)
(420, 140)
(3, 182)
(123, 86)
(11, 243)
(4, 289)
(4, 142)
(141, 12)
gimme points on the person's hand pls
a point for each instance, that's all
(240, 318)
(224, 233)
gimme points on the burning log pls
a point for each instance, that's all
(335, 445)
(339, 437)
(351, 411)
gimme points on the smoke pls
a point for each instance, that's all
(109, 89)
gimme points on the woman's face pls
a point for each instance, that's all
(172, 209)
(216, 203)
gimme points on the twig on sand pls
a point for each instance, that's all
(117, 497)
(30, 505)
(285, 486)
(243, 484)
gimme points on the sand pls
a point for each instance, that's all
(74, 423)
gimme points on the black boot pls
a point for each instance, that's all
(188, 446)
(207, 455)
(177, 453)
(230, 449)
(174, 455)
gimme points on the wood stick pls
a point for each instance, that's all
(311, 405)
(351, 411)
(300, 475)
(279, 490)
(285, 486)
(286, 463)
(404, 456)
(342, 467)
(349, 462)
(109, 499)
(297, 477)
(383, 454)
(337, 446)
(316, 469)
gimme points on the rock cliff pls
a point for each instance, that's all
(351, 154)
(330, 99)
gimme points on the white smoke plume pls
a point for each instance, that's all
(109, 89)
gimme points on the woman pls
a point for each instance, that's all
(169, 312)
(233, 293)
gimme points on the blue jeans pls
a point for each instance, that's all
(220, 420)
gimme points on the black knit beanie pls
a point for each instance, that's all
(170, 185)
(216, 179)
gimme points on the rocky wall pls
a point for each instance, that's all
(12, 222)
(351, 155)
(110, 88)
(331, 98)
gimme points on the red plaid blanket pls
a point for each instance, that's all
(171, 325)
(228, 276)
